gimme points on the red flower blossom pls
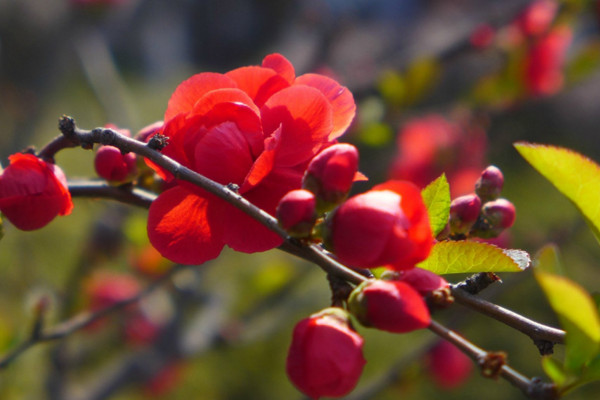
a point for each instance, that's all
(537, 17)
(256, 127)
(325, 357)
(388, 226)
(544, 62)
(449, 367)
(431, 145)
(33, 192)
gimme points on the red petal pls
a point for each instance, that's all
(306, 119)
(281, 65)
(243, 233)
(264, 163)
(340, 98)
(179, 227)
(260, 83)
(189, 91)
(223, 154)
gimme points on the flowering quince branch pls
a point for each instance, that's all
(99, 189)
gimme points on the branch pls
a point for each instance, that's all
(493, 364)
(110, 137)
(124, 193)
(72, 325)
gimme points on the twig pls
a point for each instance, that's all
(494, 364)
(82, 320)
(125, 193)
(542, 335)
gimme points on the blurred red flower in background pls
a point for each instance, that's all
(256, 127)
(431, 145)
(33, 192)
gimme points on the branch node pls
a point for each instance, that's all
(491, 364)
(545, 347)
(158, 142)
(541, 390)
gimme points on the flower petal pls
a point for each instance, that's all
(260, 83)
(264, 164)
(179, 227)
(223, 154)
(192, 89)
(339, 97)
(242, 232)
(306, 119)
(281, 65)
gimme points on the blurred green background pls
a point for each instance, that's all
(230, 321)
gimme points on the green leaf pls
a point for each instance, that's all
(547, 260)
(574, 175)
(451, 257)
(578, 316)
(554, 369)
(437, 200)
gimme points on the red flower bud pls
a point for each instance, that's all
(449, 367)
(537, 17)
(104, 289)
(331, 173)
(388, 225)
(296, 212)
(489, 185)
(33, 192)
(325, 357)
(464, 211)
(392, 306)
(114, 166)
(498, 215)
(422, 280)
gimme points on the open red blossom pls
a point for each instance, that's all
(388, 226)
(325, 357)
(33, 192)
(256, 127)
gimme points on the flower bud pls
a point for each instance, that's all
(422, 280)
(449, 367)
(464, 211)
(33, 192)
(296, 212)
(388, 226)
(497, 216)
(114, 166)
(146, 132)
(330, 175)
(325, 357)
(392, 306)
(489, 185)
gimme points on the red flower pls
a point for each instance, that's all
(33, 192)
(449, 367)
(325, 357)
(256, 127)
(388, 225)
(543, 65)
(431, 145)
(537, 17)
(392, 306)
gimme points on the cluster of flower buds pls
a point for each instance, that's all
(482, 214)
(326, 183)
(114, 166)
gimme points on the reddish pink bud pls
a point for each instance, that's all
(296, 212)
(114, 166)
(482, 37)
(140, 330)
(489, 185)
(325, 357)
(499, 213)
(537, 17)
(104, 289)
(331, 173)
(449, 367)
(422, 280)
(33, 192)
(464, 211)
(388, 225)
(392, 306)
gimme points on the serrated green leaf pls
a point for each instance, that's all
(574, 175)
(547, 260)
(437, 200)
(453, 257)
(578, 316)
(554, 369)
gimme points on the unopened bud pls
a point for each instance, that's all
(296, 212)
(464, 211)
(489, 185)
(497, 216)
(114, 166)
